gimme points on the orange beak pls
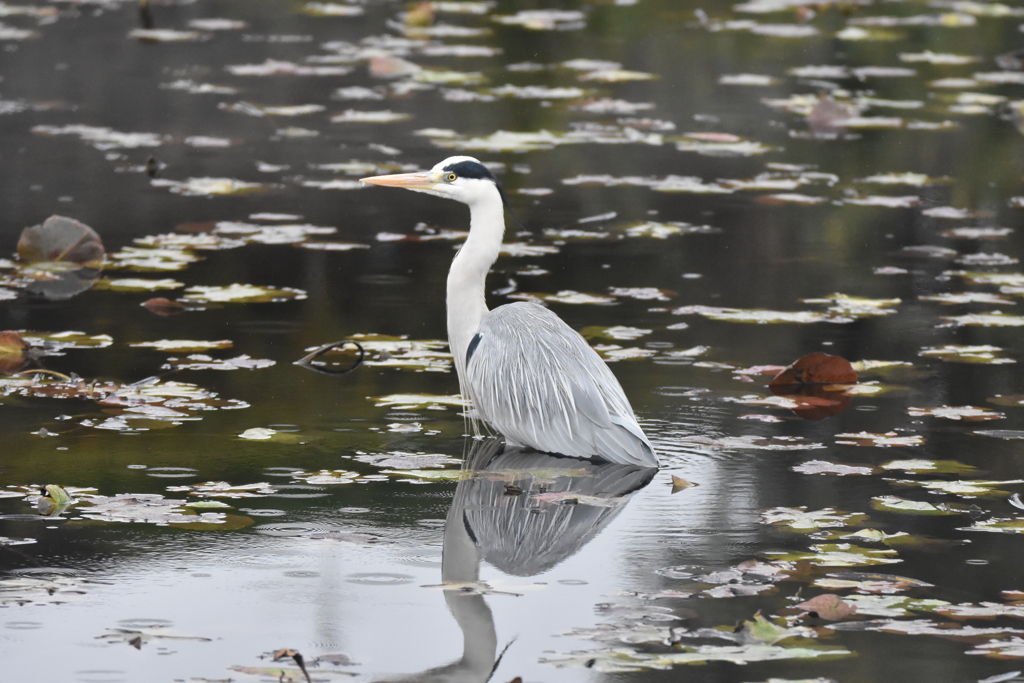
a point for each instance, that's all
(411, 181)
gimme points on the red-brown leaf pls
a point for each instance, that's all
(816, 368)
(828, 606)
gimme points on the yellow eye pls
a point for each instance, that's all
(451, 177)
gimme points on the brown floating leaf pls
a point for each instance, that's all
(61, 239)
(828, 606)
(163, 307)
(678, 484)
(12, 352)
(816, 368)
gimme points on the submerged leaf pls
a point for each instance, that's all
(61, 239)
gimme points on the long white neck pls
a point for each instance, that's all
(468, 276)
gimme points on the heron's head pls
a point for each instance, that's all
(460, 178)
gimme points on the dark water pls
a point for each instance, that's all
(353, 567)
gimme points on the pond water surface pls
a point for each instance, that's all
(709, 192)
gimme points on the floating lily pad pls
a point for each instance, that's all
(917, 507)
(838, 555)
(921, 466)
(413, 401)
(800, 520)
(833, 468)
(199, 187)
(177, 345)
(994, 319)
(885, 440)
(222, 489)
(983, 354)
(1005, 525)
(968, 413)
(237, 293)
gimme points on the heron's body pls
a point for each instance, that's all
(526, 372)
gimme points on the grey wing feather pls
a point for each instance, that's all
(538, 382)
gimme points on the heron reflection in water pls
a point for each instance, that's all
(522, 369)
(559, 505)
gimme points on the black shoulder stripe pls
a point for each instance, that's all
(473, 343)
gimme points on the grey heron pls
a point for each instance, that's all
(521, 368)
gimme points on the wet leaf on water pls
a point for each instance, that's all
(69, 339)
(834, 468)
(954, 353)
(628, 660)
(747, 79)
(204, 362)
(759, 316)
(969, 233)
(611, 106)
(137, 284)
(828, 606)
(869, 583)
(259, 110)
(886, 440)
(414, 401)
(137, 637)
(729, 443)
(61, 239)
(151, 508)
(400, 460)
(166, 35)
(802, 521)
(937, 58)
(360, 116)
(999, 525)
(982, 610)
(273, 67)
(222, 489)
(993, 319)
(987, 259)
(618, 332)
(617, 76)
(184, 345)
(164, 307)
(978, 278)
(538, 92)
(816, 368)
(963, 488)
(950, 298)
(893, 605)
(838, 555)
(721, 145)
(545, 19)
(678, 484)
(104, 138)
(908, 178)
(613, 352)
(432, 475)
(920, 466)
(331, 9)
(897, 504)
(327, 477)
(199, 187)
(903, 202)
(566, 296)
(1012, 400)
(856, 306)
(12, 351)
(47, 590)
(238, 293)
(968, 413)
(258, 434)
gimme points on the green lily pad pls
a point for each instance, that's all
(800, 520)
(838, 555)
